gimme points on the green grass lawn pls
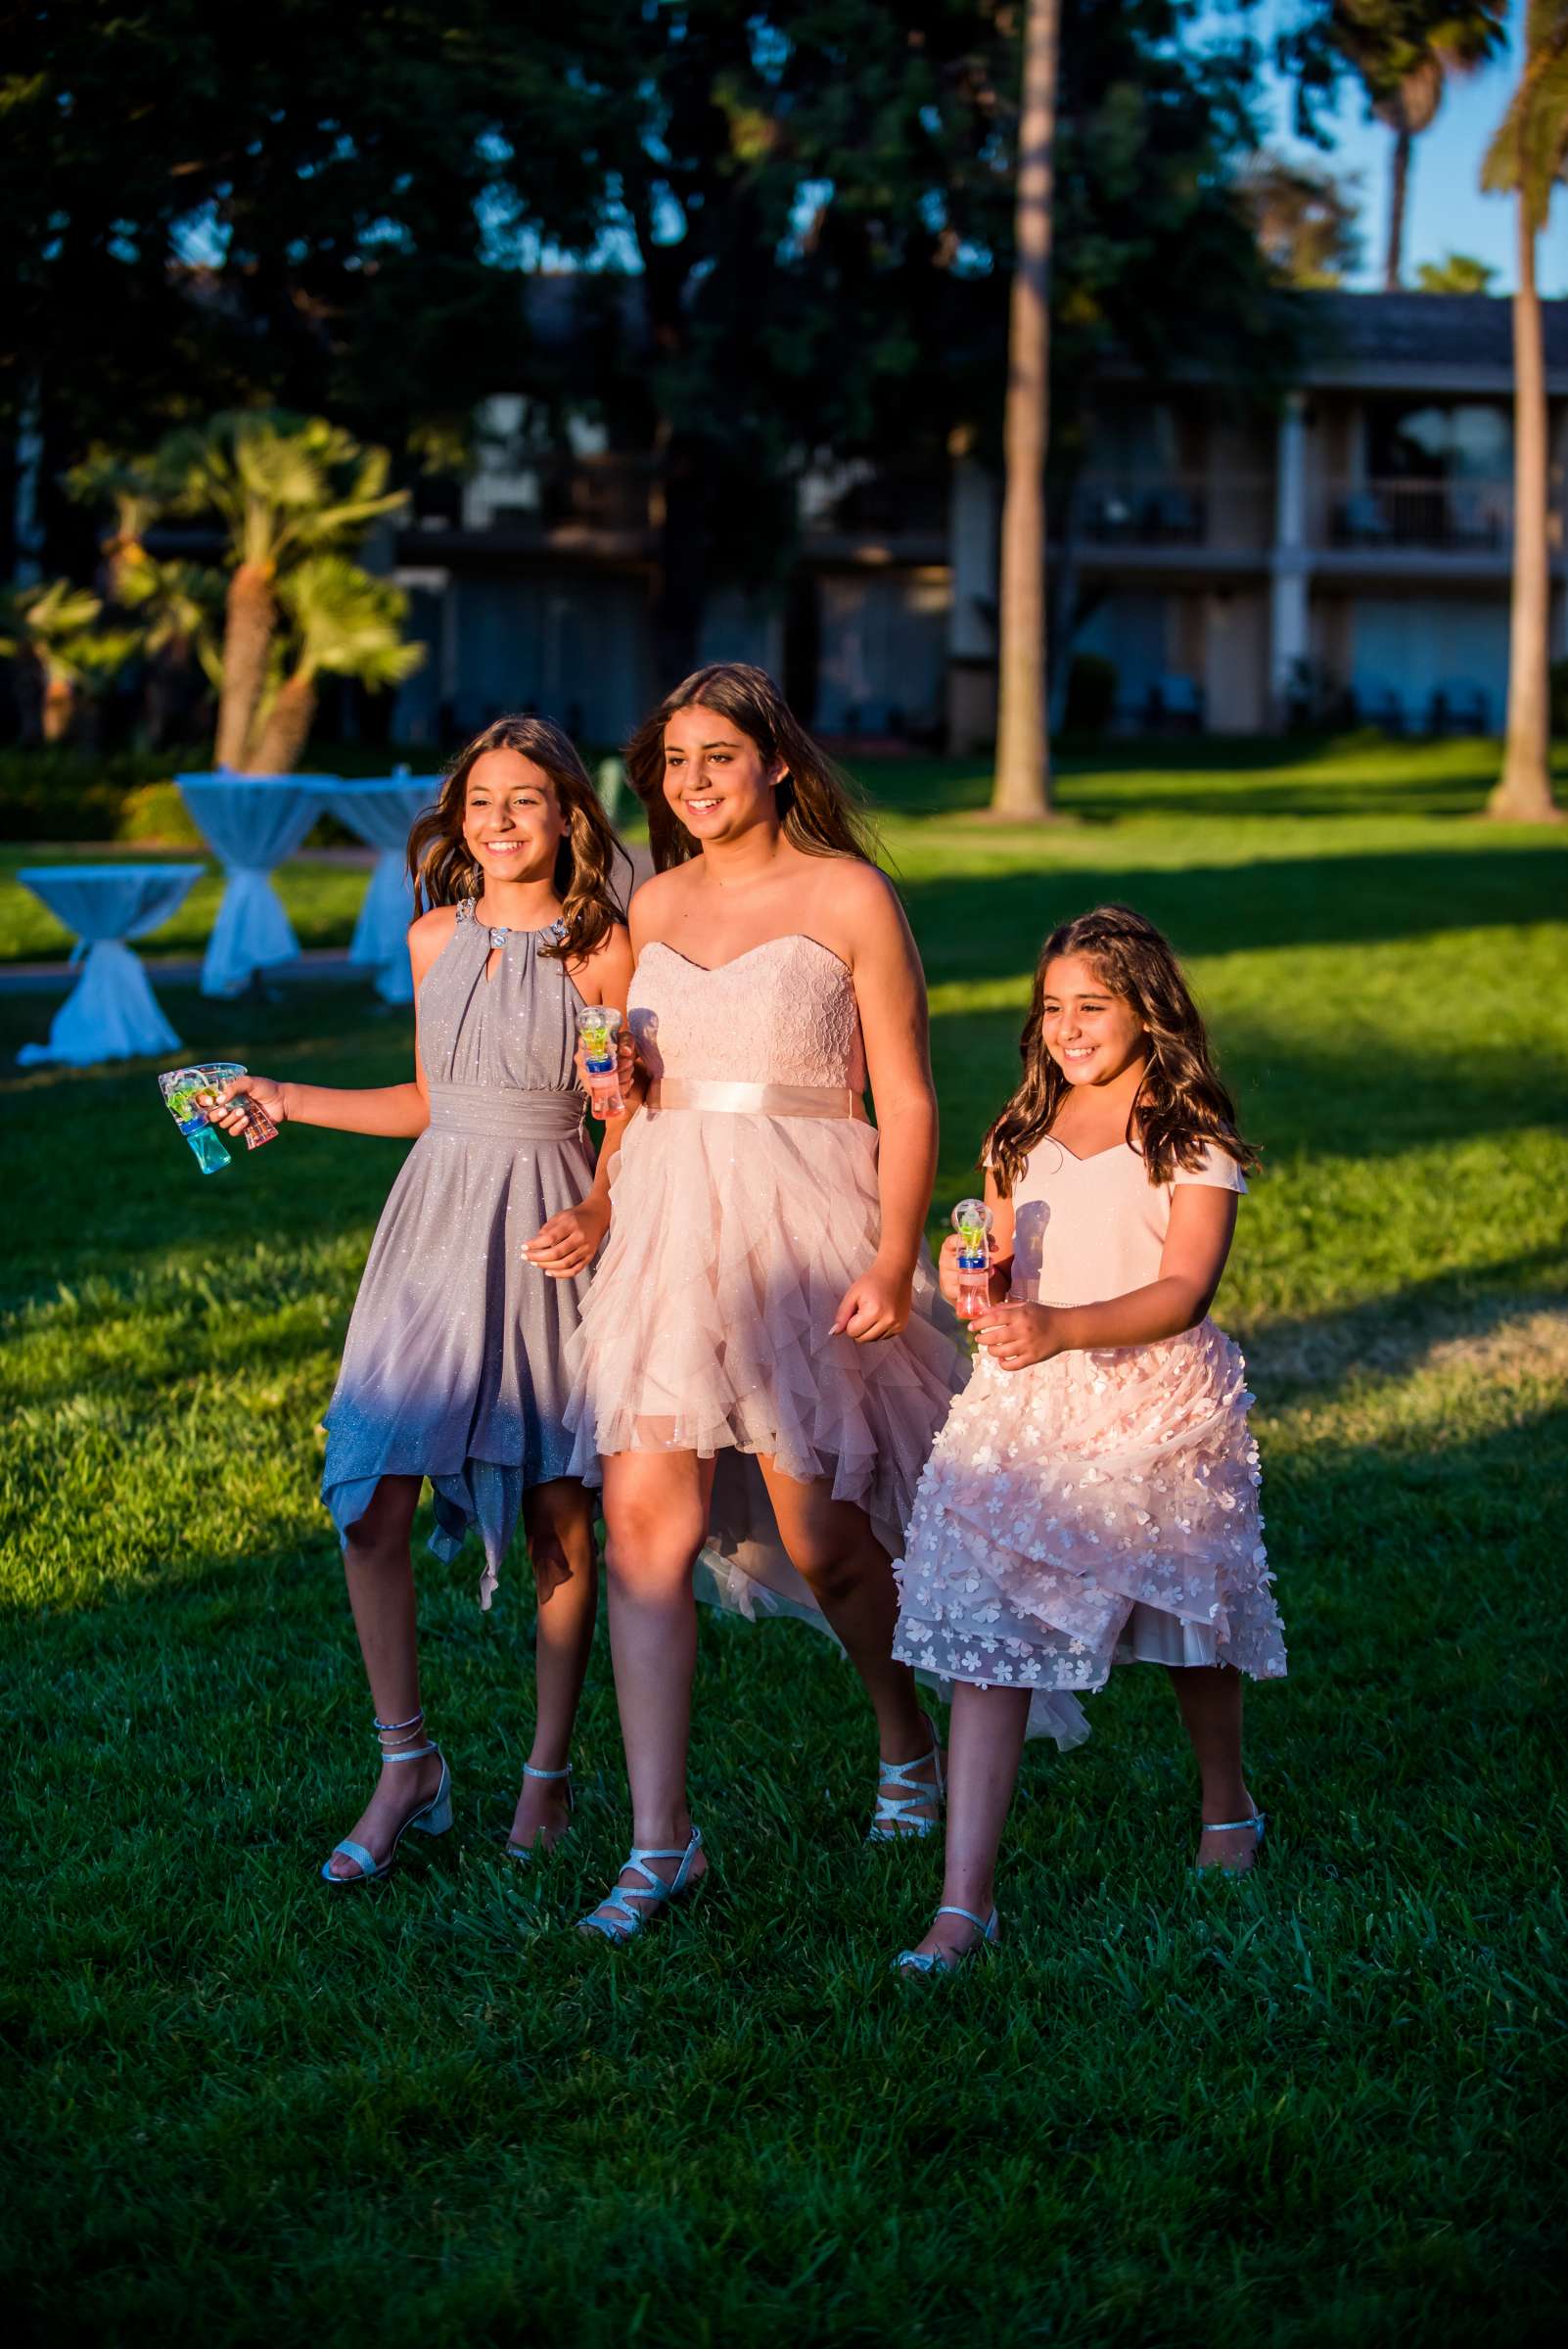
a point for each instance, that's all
(1319, 2107)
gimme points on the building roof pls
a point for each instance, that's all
(1394, 342)
(1455, 343)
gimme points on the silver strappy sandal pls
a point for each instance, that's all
(932, 1962)
(430, 1819)
(523, 1853)
(625, 1921)
(893, 1820)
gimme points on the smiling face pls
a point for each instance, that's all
(512, 818)
(716, 779)
(1093, 1036)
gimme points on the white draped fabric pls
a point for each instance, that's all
(381, 811)
(111, 1012)
(251, 822)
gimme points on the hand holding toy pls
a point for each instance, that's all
(598, 1027)
(972, 1221)
(187, 1095)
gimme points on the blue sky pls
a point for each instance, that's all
(1447, 211)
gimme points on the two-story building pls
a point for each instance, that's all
(1348, 558)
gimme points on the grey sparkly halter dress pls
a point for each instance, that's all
(452, 1367)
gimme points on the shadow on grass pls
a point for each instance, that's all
(1391, 1336)
(980, 926)
(1296, 1099)
(1256, 776)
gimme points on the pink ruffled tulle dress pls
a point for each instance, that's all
(743, 1203)
(1100, 1508)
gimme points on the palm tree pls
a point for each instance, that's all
(1404, 51)
(1021, 786)
(1525, 159)
(285, 486)
(173, 605)
(345, 624)
(53, 629)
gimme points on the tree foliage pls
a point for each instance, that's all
(1305, 219)
(1455, 273)
(1403, 52)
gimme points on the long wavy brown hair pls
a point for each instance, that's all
(821, 811)
(444, 872)
(1181, 1106)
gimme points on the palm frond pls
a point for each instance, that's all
(347, 622)
(1529, 153)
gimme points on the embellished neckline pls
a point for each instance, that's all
(498, 933)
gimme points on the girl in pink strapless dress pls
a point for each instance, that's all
(763, 1358)
(745, 1203)
(1092, 1499)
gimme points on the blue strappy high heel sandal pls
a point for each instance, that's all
(523, 1853)
(1258, 1823)
(891, 1821)
(432, 1818)
(932, 1962)
(628, 1920)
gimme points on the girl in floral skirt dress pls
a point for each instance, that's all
(1093, 1496)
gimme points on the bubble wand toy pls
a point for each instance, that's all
(184, 1092)
(598, 1027)
(972, 1221)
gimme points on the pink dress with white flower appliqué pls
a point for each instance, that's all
(1100, 1508)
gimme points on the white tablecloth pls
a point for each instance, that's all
(111, 1012)
(381, 811)
(251, 822)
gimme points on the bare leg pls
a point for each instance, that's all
(378, 1564)
(986, 1741)
(656, 1520)
(1210, 1699)
(558, 1518)
(832, 1545)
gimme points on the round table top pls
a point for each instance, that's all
(127, 868)
(388, 782)
(218, 778)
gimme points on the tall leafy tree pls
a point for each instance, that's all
(1527, 159)
(819, 205)
(300, 206)
(1305, 219)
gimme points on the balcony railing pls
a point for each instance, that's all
(1474, 518)
(1224, 513)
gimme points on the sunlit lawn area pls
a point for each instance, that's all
(1319, 2107)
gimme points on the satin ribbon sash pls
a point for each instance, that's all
(493, 1113)
(756, 1101)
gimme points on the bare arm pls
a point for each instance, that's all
(397, 1112)
(890, 990)
(1203, 1220)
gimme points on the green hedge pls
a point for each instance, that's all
(131, 795)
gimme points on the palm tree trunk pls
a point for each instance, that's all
(58, 707)
(1023, 744)
(1398, 191)
(1523, 793)
(247, 634)
(288, 728)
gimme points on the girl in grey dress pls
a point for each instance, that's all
(453, 1365)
